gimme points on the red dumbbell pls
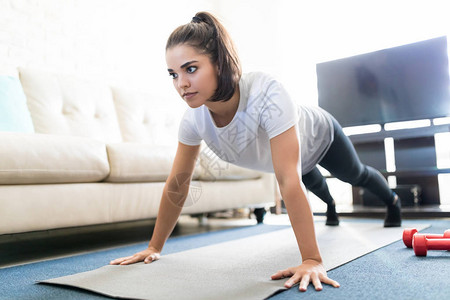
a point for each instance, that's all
(421, 244)
(408, 234)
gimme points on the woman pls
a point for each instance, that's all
(249, 120)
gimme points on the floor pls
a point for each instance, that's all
(45, 245)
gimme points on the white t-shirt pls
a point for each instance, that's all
(265, 110)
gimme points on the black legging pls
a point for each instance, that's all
(343, 163)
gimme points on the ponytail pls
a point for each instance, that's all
(208, 36)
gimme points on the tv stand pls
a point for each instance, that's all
(415, 160)
(400, 133)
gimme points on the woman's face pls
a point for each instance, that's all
(194, 76)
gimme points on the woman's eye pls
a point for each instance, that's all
(191, 69)
(173, 75)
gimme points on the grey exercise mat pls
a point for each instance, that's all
(238, 269)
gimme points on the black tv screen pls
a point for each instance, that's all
(409, 82)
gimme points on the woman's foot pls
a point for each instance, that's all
(393, 213)
(332, 217)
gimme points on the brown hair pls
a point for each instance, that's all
(208, 36)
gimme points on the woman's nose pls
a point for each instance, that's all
(183, 82)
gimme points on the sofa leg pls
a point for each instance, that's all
(202, 219)
(259, 214)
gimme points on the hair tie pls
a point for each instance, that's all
(196, 20)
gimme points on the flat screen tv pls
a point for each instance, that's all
(403, 83)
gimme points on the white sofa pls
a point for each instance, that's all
(95, 157)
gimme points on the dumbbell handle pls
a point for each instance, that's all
(421, 244)
(438, 244)
(409, 233)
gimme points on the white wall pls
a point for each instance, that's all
(120, 41)
(288, 37)
(322, 30)
(123, 41)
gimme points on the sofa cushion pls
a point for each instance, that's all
(14, 113)
(66, 105)
(214, 168)
(145, 117)
(42, 158)
(135, 162)
(138, 162)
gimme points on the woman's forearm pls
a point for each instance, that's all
(301, 218)
(169, 211)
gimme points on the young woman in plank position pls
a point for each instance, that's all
(249, 120)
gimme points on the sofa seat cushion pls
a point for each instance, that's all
(214, 168)
(138, 162)
(42, 158)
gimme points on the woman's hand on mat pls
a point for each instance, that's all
(148, 255)
(309, 271)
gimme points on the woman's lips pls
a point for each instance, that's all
(189, 95)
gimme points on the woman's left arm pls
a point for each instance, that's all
(285, 157)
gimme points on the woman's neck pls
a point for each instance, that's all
(223, 112)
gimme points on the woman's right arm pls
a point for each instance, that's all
(174, 194)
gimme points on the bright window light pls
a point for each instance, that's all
(353, 130)
(444, 188)
(323, 171)
(407, 125)
(390, 156)
(441, 121)
(392, 181)
(442, 142)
